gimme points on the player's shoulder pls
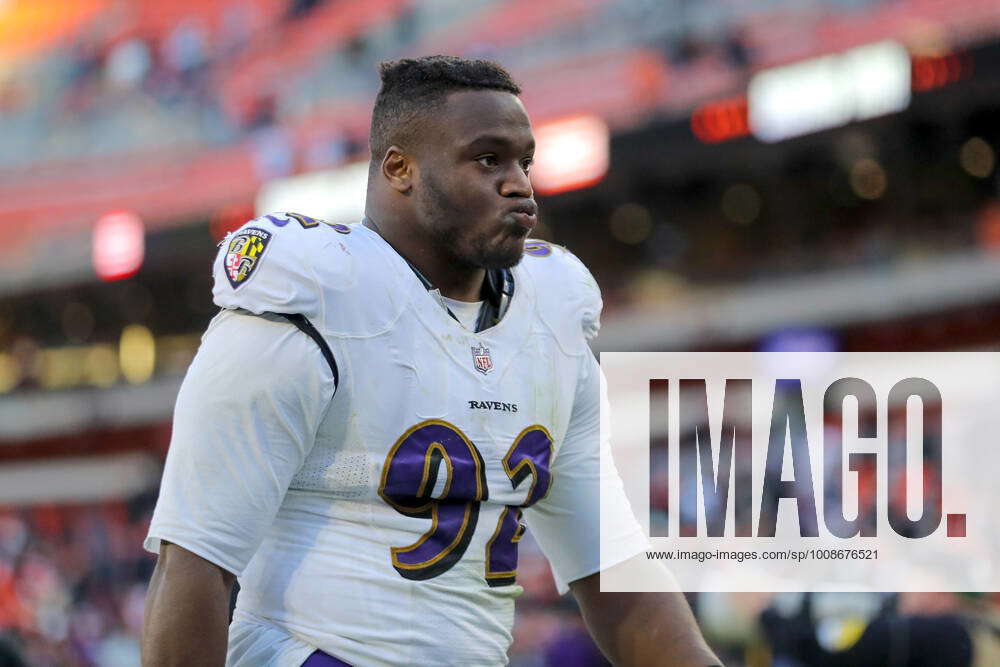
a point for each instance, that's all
(565, 289)
(547, 260)
(296, 264)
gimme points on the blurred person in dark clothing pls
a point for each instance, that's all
(9, 655)
(907, 630)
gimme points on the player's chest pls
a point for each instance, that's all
(489, 387)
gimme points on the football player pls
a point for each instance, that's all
(380, 408)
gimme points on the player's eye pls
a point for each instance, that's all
(488, 160)
(526, 164)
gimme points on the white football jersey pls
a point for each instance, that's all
(371, 503)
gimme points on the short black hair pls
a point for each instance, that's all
(412, 87)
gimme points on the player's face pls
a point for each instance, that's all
(473, 193)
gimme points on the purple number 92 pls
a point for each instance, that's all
(410, 475)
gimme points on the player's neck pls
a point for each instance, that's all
(451, 279)
(465, 285)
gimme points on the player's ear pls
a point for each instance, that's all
(397, 168)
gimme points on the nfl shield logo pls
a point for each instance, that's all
(482, 359)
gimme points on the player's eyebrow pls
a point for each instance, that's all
(496, 141)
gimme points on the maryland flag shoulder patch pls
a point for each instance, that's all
(243, 254)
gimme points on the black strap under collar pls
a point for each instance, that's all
(498, 288)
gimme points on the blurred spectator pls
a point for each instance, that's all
(72, 583)
(326, 150)
(299, 8)
(799, 637)
(9, 655)
(240, 20)
(185, 49)
(128, 64)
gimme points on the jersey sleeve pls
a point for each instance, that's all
(569, 298)
(567, 522)
(589, 296)
(246, 417)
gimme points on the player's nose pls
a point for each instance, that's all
(517, 184)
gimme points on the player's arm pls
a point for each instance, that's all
(632, 629)
(187, 610)
(246, 417)
(639, 629)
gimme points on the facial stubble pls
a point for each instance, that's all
(446, 222)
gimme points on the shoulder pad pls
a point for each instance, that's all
(564, 287)
(279, 262)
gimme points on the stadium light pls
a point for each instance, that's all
(822, 93)
(137, 353)
(100, 366)
(868, 179)
(334, 195)
(118, 246)
(977, 158)
(631, 223)
(571, 153)
(720, 121)
(934, 71)
(10, 373)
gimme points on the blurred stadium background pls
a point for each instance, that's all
(738, 174)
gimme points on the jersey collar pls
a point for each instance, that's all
(496, 293)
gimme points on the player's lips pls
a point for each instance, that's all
(525, 215)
